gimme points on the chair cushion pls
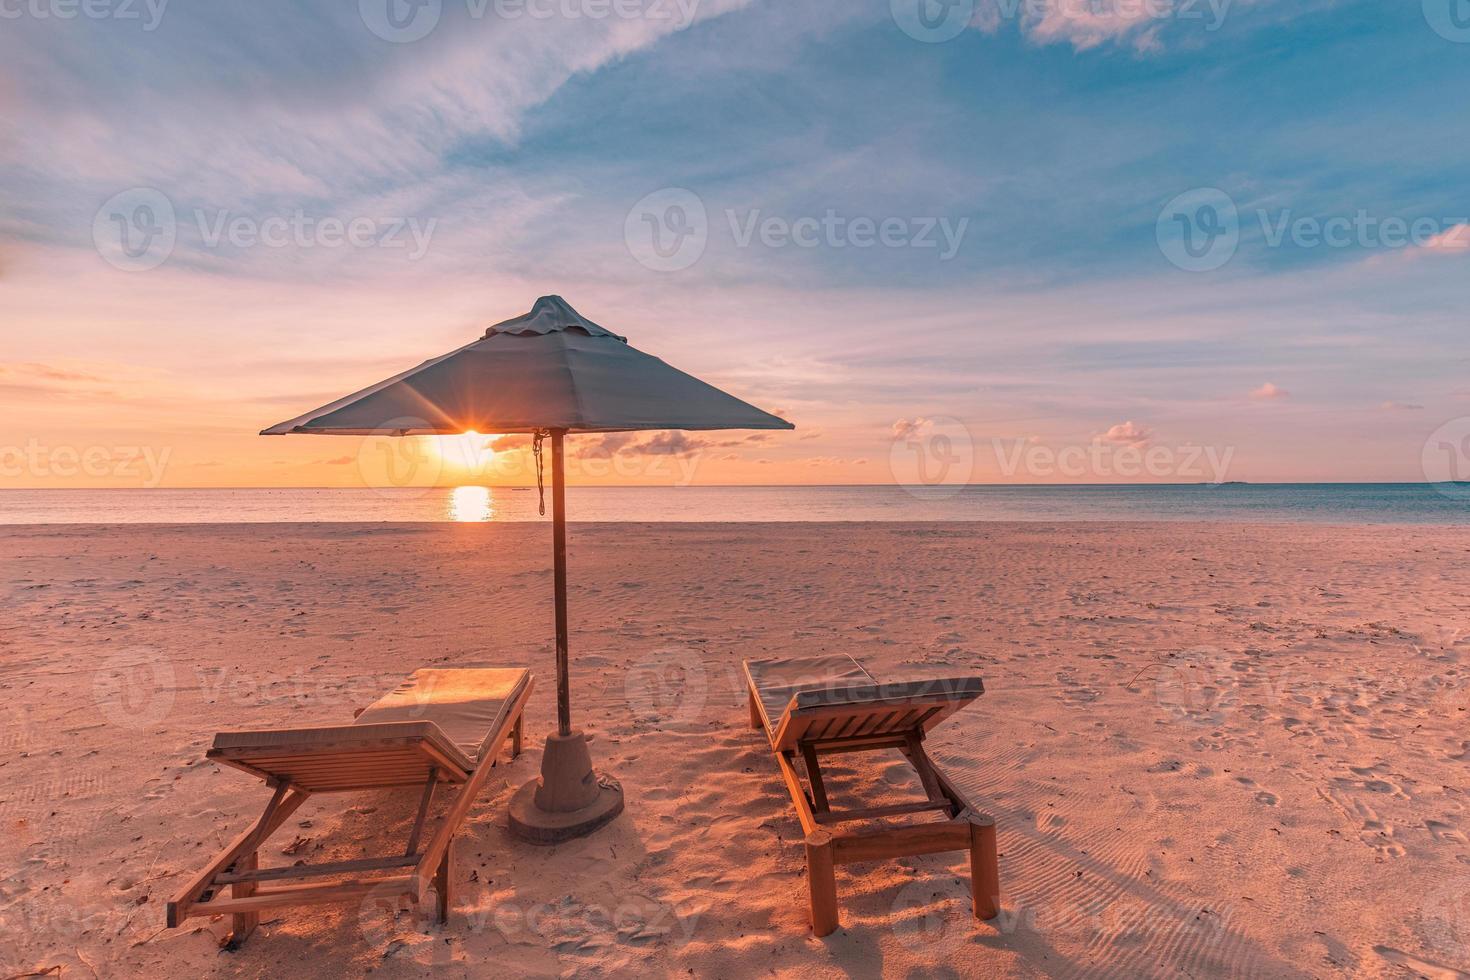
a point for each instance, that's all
(778, 679)
(466, 704)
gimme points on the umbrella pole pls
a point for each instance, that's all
(559, 578)
(570, 799)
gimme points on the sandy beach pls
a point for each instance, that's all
(1213, 750)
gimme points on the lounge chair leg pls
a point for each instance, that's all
(515, 736)
(755, 713)
(984, 867)
(242, 924)
(822, 881)
(442, 886)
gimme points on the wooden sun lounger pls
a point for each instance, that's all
(825, 705)
(438, 727)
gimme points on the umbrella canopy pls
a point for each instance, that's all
(549, 372)
(551, 369)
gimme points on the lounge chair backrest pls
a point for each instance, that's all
(345, 757)
(848, 709)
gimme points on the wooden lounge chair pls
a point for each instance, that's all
(438, 726)
(824, 705)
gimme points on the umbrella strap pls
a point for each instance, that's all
(540, 480)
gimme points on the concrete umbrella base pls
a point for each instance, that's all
(569, 800)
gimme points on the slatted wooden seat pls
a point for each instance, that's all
(824, 705)
(438, 727)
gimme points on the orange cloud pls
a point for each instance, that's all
(1269, 392)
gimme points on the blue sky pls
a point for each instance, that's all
(1025, 168)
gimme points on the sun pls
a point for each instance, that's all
(468, 453)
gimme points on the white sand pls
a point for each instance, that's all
(1212, 750)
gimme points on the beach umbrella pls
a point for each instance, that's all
(547, 373)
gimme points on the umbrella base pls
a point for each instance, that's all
(569, 800)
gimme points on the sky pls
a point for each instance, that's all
(1010, 241)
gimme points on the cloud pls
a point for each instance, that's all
(1270, 392)
(1392, 406)
(1128, 433)
(1454, 240)
(511, 442)
(46, 372)
(906, 429)
(1086, 25)
(670, 443)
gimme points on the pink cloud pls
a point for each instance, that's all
(1128, 433)
(1270, 392)
(1455, 239)
(908, 428)
(1401, 407)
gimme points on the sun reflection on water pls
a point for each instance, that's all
(471, 505)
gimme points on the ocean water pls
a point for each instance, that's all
(1330, 503)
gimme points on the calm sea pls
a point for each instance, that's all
(1335, 503)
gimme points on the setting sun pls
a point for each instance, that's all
(469, 452)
